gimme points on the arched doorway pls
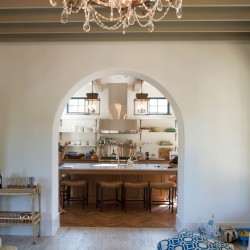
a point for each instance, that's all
(158, 86)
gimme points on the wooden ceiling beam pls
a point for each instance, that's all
(69, 28)
(190, 14)
(34, 4)
(118, 37)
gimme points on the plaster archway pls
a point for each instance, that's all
(154, 83)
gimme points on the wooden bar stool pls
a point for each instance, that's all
(137, 185)
(67, 184)
(166, 186)
(101, 186)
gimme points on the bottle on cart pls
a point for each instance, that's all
(1, 181)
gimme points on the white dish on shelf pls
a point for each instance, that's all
(84, 142)
(88, 129)
(145, 130)
(80, 129)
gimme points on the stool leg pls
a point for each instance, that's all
(68, 193)
(83, 197)
(172, 199)
(116, 197)
(124, 198)
(150, 199)
(61, 194)
(63, 202)
(169, 198)
(97, 195)
(146, 198)
(101, 200)
(87, 194)
(146, 195)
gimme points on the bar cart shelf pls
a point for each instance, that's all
(23, 218)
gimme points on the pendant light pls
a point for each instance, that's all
(142, 101)
(92, 97)
(142, 96)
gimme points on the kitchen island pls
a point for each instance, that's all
(95, 172)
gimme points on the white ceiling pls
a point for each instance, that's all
(37, 20)
(118, 79)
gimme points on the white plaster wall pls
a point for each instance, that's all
(207, 83)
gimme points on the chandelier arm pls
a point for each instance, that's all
(141, 16)
(154, 19)
(149, 9)
(163, 15)
(73, 8)
(100, 15)
(114, 27)
(148, 13)
(106, 18)
(142, 25)
(104, 26)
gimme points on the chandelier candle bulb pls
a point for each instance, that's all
(123, 13)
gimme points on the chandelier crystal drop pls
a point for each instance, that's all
(122, 14)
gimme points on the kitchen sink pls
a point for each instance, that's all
(111, 165)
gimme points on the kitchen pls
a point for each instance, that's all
(147, 139)
(124, 95)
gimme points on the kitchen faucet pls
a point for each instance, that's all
(117, 157)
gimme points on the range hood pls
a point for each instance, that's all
(117, 122)
(115, 126)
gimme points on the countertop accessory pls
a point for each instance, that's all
(155, 129)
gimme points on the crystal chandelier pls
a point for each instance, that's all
(123, 13)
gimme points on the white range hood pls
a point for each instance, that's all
(117, 122)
